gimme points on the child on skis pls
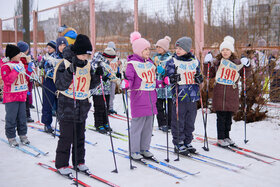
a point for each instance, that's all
(50, 60)
(141, 82)
(226, 69)
(160, 58)
(115, 66)
(26, 59)
(183, 71)
(14, 95)
(103, 60)
(72, 111)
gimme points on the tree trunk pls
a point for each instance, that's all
(26, 21)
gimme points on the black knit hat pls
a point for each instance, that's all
(82, 45)
(12, 51)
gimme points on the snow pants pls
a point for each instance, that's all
(15, 119)
(100, 118)
(112, 95)
(141, 133)
(224, 121)
(161, 116)
(187, 114)
(48, 101)
(66, 140)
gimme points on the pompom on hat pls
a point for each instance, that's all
(228, 43)
(138, 43)
(164, 43)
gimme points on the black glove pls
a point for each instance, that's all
(118, 75)
(99, 71)
(198, 78)
(105, 78)
(174, 78)
(71, 68)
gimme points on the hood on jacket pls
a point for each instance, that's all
(68, 54)
(136, 57)
(185, 57)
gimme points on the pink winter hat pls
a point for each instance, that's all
(138, 43)
(164, 43)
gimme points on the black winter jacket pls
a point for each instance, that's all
(65, 106)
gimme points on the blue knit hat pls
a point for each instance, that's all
(23, 46)
(52, 44)
(59, 41)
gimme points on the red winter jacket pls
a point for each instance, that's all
(10, 76)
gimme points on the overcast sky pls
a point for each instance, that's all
(7, 6)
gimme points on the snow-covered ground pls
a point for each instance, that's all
(19, 169)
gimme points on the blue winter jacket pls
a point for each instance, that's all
(186, 93)
(160, 60)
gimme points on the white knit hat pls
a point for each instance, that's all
(164, 43)
(227, 43)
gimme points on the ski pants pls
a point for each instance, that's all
(161, 116)
(66, 140)
(182, 132)
(100, 118)
(27, 107)
(15, 119)
(48, 101)
(224, 121)
(112, 95)
(141, 133)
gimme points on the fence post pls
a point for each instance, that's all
(136, 27)
(199, 28)
(16, 35)
(1, 32)
(59, 16)
(92, 23)
(35, 34)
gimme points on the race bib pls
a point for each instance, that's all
(186, 70)
(147, 72)
(114, 65)
(82, 82)
(227, 73)
(20, 84)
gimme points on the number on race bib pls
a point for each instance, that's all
(189, 76)
(19, 80)
(228, 74)
(82, 82)
(149, 76)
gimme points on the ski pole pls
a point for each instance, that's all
(110, 133)
(75, 133)
(128, 127)
(166, 113)
(206, 148)
(177, 114)
(245, 112)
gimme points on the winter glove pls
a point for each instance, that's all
(105, 78)
(174, 78)
(18, 68)
(245, 61)
(31, 66)
(28, 93)
(118, 75)
(72, 68)
(125, 84)
(166, 81)
(99, 71)
(208, 58)
(160, 70)
(198, 78)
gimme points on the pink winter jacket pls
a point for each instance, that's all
(9, 76)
